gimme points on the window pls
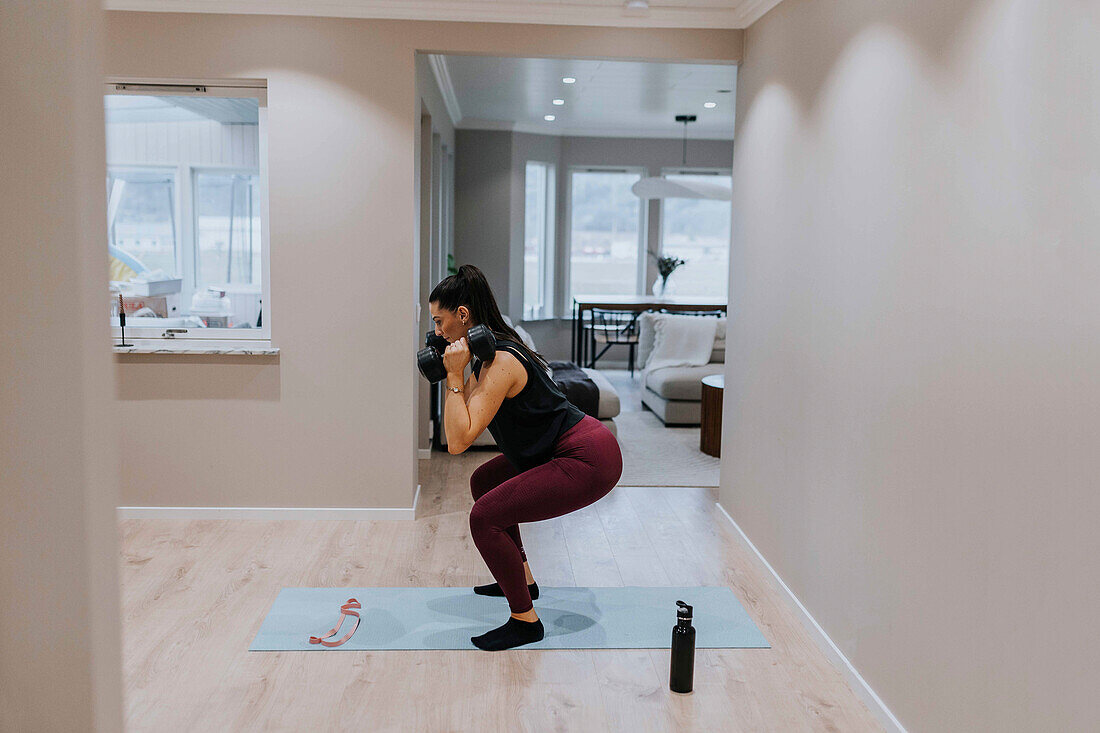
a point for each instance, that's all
(186, 209)
(606, 233)
(698, 232)
(227, 214)
(538, 233)
(141, 204)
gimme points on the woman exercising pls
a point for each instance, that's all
(556, 459)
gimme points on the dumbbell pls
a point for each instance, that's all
(482, 344)
(430, 358)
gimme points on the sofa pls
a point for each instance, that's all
(675, 393)
(608, 408)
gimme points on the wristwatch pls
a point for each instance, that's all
(456, 390)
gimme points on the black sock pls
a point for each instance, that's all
(513, 633)
(493, 589)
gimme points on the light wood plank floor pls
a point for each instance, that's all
(194, 594)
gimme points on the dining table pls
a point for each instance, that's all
(672, 303)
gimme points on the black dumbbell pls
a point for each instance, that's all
(482, 344)
(430, 358)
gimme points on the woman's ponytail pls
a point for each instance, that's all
(480, 295)
(470, 287)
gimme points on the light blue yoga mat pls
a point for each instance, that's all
(445, 618)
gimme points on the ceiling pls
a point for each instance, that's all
(608, 99)
(141, 108)
(660, 13)
(165, 108)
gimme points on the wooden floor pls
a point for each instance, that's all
(194, 595)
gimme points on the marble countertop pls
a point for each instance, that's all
(191, 346)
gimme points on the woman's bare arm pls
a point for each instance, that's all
(464, 420)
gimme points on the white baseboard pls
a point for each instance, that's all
(423, 453)
(873, 702)
(267, 514)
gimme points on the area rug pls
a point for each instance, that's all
(654, 455)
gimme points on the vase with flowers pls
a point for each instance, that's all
(665, 267)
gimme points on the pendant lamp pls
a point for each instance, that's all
(659, 187)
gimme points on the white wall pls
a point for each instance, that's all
(198, 142)
(60, 648)
(912, 403)
(483, 207)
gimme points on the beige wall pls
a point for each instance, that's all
(59, 630)
(914, 406)
(331, 422)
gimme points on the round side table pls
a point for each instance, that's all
(710, 417)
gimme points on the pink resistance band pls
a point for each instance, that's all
(345, 611)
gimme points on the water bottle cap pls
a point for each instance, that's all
(684, 610)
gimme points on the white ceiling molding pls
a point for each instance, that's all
(446, 88)
(751, 11)
(473, 123)
(666, 14)
(552, 128)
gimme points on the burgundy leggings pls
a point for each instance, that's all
(585, 466)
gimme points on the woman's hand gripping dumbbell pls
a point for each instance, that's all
(481, 342)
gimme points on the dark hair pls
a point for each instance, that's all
(470, 288)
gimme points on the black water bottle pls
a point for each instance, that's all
(682, 668)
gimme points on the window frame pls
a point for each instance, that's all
(643, 233)
(545, 309)
(194, 171)
(174, 171)
(186, 222)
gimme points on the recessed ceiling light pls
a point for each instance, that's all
(559, 102)
(548, 118)
(637, 4)
(568, 80)
(710, 105)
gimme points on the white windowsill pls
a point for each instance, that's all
(254, 347)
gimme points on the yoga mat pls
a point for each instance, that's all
(445, 618)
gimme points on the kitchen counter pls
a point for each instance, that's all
(194, 346)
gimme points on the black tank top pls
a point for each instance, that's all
(527, 426)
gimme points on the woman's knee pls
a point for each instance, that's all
(490, 475)
(480, 481)
(481, 518)
(610, 464)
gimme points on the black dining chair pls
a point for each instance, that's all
(613, 327)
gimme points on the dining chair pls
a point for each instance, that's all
(613, 327)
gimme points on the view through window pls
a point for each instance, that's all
(698, 232)
(185, 247)
(537, 234)
(605, 232)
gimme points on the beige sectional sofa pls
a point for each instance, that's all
(675, 394)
